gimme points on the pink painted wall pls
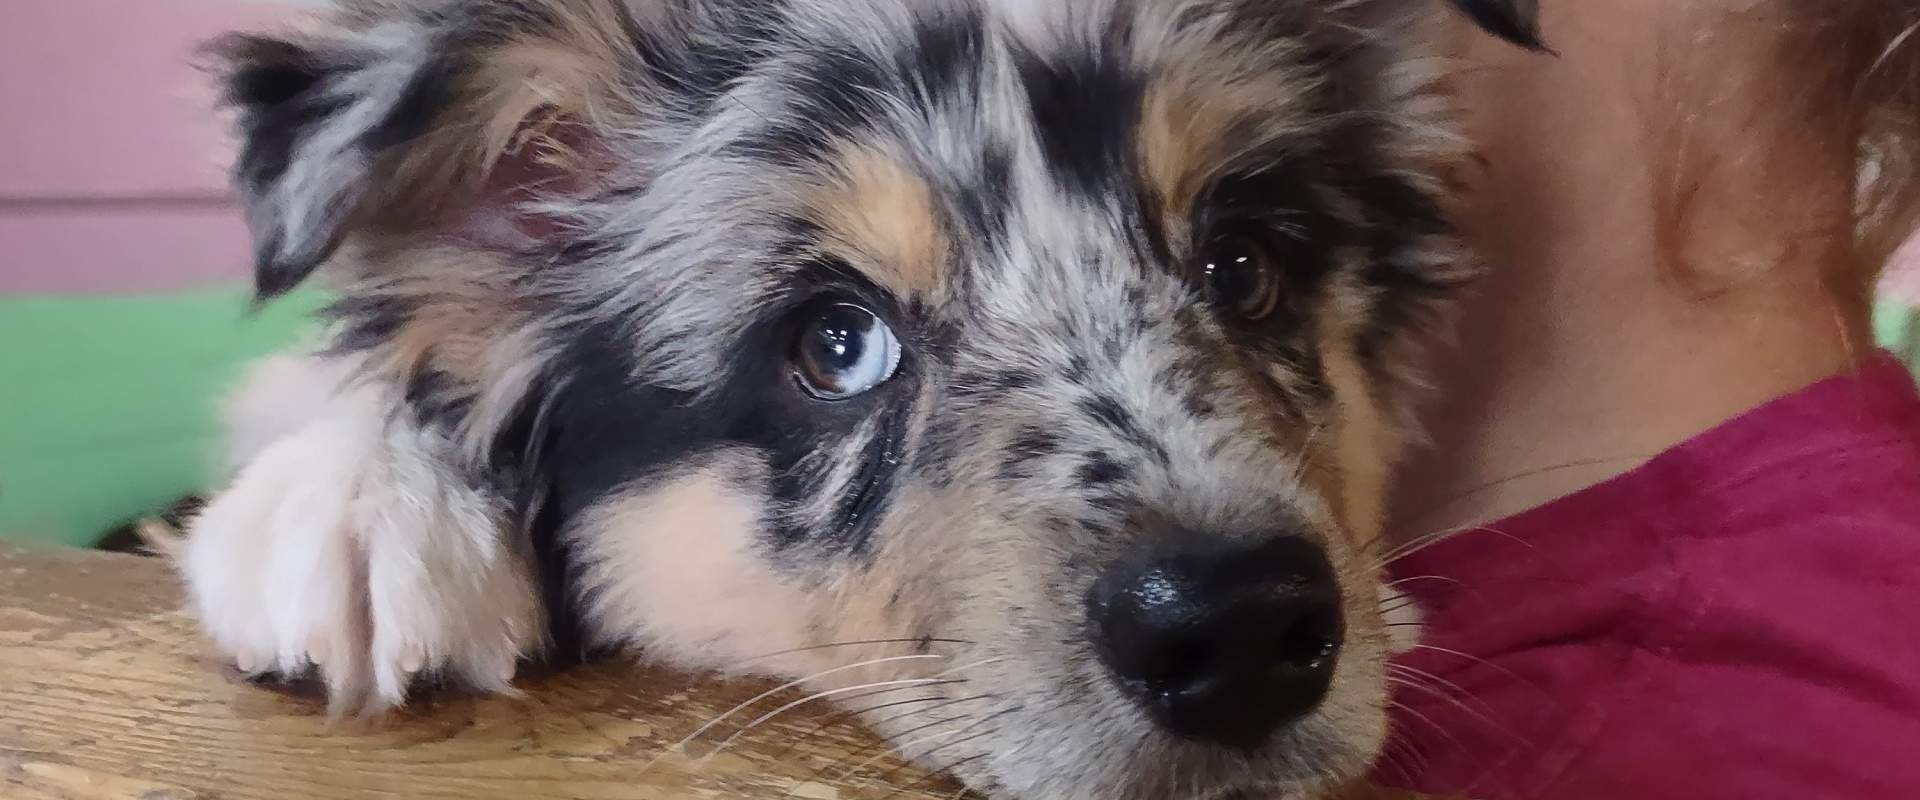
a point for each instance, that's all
(111, 176)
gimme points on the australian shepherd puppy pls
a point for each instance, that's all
(1047, 355)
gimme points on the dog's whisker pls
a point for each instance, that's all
(871, 747)
(1418, 578)
(939, 675)
(985, 662)
(1534, 473)
(922, 640)
(1477, 716)
(1435, 726)
(1449, 502)
(1414, 545)
(692, 737)
(903, 747)
(769, 716)
(1504, 671)
(986, 720)
(1396, 604)
(1443, 689)
(929, 709)
(936, 774)
(1402, 758)
(1425, 541)
(836, 719)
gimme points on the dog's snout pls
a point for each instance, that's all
(1221, 645)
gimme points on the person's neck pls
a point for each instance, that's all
(1579, 355)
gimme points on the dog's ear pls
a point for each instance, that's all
(416, 121)
(1517, 21)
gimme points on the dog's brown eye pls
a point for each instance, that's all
(844, 351)
(1242, 276)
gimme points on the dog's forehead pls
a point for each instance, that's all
(1076, 78)
(917, 135)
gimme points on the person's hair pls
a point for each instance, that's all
(1845, 83)
(1884, 78)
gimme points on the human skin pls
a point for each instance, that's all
(1593, 341)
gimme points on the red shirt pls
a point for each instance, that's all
(1739, 618)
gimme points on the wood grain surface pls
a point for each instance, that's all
(107, 691)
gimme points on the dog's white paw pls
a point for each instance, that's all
(346, 548)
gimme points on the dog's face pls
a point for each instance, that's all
(1035, 365)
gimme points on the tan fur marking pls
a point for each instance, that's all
(1174, 153)
(462, 306)
(463, 323)
(880, 217)
(453, 331)
(676, 571)
(1361, 443)
(1193, 121)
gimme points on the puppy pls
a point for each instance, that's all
(1047, 355)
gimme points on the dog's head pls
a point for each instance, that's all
(1037, 363)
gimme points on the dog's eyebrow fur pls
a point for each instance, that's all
(878, 216)
(1200, 121)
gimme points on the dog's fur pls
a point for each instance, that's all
(575, 241)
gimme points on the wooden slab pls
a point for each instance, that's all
(106, 691)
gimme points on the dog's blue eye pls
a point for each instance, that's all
(845, 351)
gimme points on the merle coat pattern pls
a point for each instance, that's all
(723, 328)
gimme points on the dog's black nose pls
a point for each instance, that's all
(1222, 646)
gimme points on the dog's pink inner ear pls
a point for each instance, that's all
(416, 128)
(550, 162)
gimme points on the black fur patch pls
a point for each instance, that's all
(437, 400)
(943, 60)
(702, 68)
(1014, 378)
(368, 320)
(839, 90)
(1030, 445)
(278, 90)
(838, 94)
(426, 95)
(1517, 21)
(1112, 414)
(1086, 106)
(268, 73)
(980, 202)
(1100, 469)
(866, 498)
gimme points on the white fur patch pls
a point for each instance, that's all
(1404, 619)
(345, 545)
(277, 397)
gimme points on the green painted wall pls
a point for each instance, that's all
(1899, 329)
(106, 404)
